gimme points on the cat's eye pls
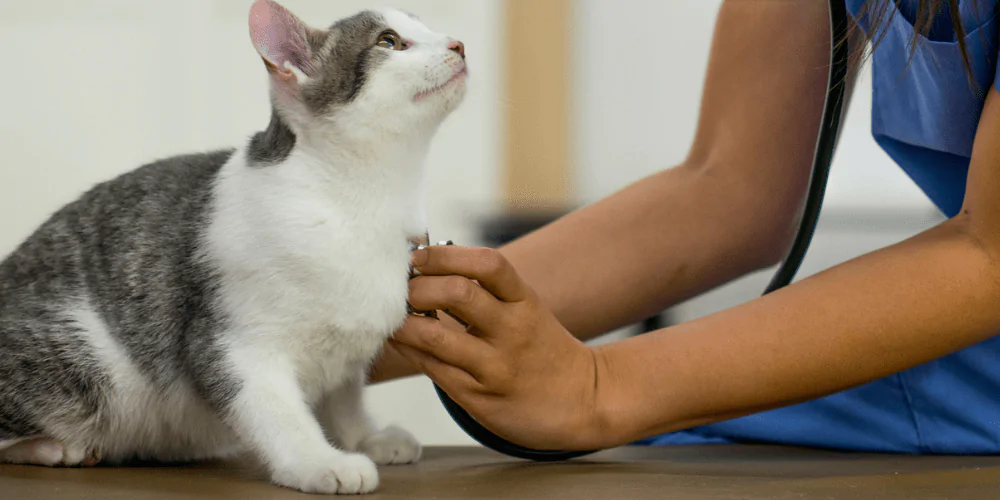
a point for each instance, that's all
(390, 40)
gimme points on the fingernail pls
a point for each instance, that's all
(418, 257)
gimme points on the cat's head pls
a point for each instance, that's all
(382, 71)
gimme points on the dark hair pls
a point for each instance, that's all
(879, 13)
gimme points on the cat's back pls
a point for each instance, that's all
(141, 216)
(157, 200)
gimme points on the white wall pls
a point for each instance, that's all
(93, 88)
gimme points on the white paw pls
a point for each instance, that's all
(340, 473)
(42, 452)
(391, 445)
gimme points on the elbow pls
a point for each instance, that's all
(759, 214)
(759, 211)
(766, 228)
(773, 241)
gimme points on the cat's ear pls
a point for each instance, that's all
(282, 40)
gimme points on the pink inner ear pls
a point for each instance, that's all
(279, 36)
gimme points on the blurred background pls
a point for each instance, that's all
(570, 100)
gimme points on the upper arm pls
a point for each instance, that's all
(981, 210)
(763, 100)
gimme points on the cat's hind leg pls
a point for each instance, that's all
(51, 390)
(45, 452)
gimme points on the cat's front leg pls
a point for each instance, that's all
(348, 424)
(270, 414)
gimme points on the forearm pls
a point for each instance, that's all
(658, 242)
(871, 317)
(662, 240)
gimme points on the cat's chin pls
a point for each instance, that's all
(454, 85)
(439, 105)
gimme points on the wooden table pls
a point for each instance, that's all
(468, 473)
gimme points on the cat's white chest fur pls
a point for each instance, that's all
(314, 262)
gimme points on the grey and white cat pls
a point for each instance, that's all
(215, 304)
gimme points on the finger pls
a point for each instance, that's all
(460, 297)
(449, 345)
(448, 377)
(449, 317)
(487, 266)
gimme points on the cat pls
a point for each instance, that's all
(216, 304)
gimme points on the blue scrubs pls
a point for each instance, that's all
(924, 117)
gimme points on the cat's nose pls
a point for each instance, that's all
(458, 47)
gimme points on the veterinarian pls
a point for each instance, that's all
(894, 351)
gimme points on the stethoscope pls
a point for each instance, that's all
(826, 145)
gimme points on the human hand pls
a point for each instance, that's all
(514, 368)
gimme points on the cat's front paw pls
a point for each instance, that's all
(391, 445)
(340, 474)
